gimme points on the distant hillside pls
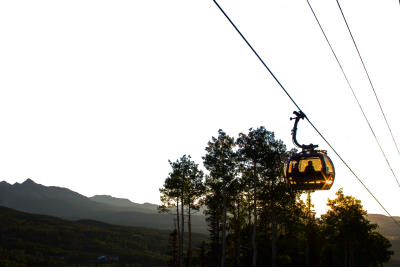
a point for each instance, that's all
(40, 240)
(123, 202)
(106, 210)
(67, 204)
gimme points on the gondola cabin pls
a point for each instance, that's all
(310, 170)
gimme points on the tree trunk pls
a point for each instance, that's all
(175, 251)
(345, 254)
(249, 210)
(238, 236)
(273, 226)
(190, 238)
(183, 227)
(351, 254)
(307, 258)
(255, 218)
(274, 234)
(218, 236)
(223, 224)
(265, 225)
(179, 227)
(250, 232)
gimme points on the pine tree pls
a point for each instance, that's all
(253, 151)
(264, 157)
(170, 202)
(220, 160)
(195, 191)
(185, 185)
(173, 246)
(236, 207)
(351, 238)
(202, 255)
(214, 215)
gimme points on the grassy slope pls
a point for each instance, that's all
(55, 236)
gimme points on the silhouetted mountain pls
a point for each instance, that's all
(123, 202)
(52, 200)
(64, 203)
(387, 226)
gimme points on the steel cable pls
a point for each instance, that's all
(302, 111)
(376, 96)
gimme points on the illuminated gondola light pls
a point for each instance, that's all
(310, 169)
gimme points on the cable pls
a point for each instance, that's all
(301, 110)
(376, 96)
(348, 82)
(366, 72)
(368, 123)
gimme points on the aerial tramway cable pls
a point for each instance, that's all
(369, 79)
(348, 82)
(301, 111)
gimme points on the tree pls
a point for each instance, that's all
(184, 183)
(167, 202)
(195, 191)
(312, 240)
(173, 245)
(380, 245)
(220, 160)
(237, 208)
(182, 168)
(253, 152)
(246, 202)
(350, 238)
(199, 259)
(238, 196)
(214, 214)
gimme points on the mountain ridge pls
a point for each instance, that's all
(65, 203)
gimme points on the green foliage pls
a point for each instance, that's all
(184, 186)
(246, 177)
(352, 239)
(284, 260)
(214, 213)
(40, 240)
(200, 258)
(220, 159)
(173, 246)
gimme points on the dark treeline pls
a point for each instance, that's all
(255, 219)
(40, 241)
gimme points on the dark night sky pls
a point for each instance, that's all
(190, 74)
